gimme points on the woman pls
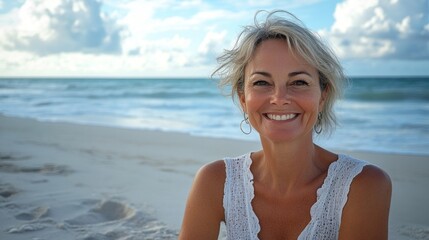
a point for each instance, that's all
(286, 81)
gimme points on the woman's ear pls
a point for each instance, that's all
(242, 99)
(241, 94)
(323, 97)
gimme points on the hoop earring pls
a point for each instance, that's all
(318, 126)
(246, 121)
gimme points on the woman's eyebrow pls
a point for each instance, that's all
(298, 73)
(292, 74)
(266, 74)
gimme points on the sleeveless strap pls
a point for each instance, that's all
(331, 198)
(240, 219)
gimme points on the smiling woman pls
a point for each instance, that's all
(286, 81)
(274, 79)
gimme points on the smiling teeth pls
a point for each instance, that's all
(280, 117)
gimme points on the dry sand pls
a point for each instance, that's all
(70, 181)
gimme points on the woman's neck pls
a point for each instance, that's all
(286, 167)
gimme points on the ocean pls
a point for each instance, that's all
(379, 114)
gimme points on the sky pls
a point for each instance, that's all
(183, 38)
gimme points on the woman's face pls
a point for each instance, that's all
(282, 94)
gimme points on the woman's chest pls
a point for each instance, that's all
(283, 217)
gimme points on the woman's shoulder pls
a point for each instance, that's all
(204, 207)
(372, 179)
(367, 205)
(367, 172)
(210, 178)
(216, 170)
(212, 171)
(371, 190)
(366, 175)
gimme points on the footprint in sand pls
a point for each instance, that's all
(415, 231)
(35, 220)
(112, 220)
(33, 214)
(47, 169)
(8, 164)
(11, 157)
(103, 211)
(7, 190)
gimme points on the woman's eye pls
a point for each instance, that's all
(260, 83)
(300, 83)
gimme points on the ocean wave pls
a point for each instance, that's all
(43, 104)
(395, 95)
(150, 95)
(369, 110)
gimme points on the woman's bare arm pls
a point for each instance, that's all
(366, 213)
(204, 208)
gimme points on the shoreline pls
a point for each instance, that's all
(206, 136)
(48, 169)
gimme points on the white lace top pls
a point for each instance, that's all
(242, 223)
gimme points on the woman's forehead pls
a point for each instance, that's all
(275, 54)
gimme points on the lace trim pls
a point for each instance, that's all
(250, 194)
(340, 175)
(322, 190)
(354, 173)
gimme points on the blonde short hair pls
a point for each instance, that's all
(301, 40)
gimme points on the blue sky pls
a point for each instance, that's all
(181, 38)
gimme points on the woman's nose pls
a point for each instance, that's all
(280, 96)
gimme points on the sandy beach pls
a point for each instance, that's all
(71, 181)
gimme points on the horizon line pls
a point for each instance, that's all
(189, 77)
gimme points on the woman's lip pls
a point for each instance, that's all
(280, 117)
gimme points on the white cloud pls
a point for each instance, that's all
(212, 45)
(67, 37)
(49, 27)
(184, 38)
(157, 63)
(41, 40)
(387, 29)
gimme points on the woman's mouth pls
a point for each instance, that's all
(280, 117)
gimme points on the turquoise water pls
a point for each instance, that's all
(377, 114)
